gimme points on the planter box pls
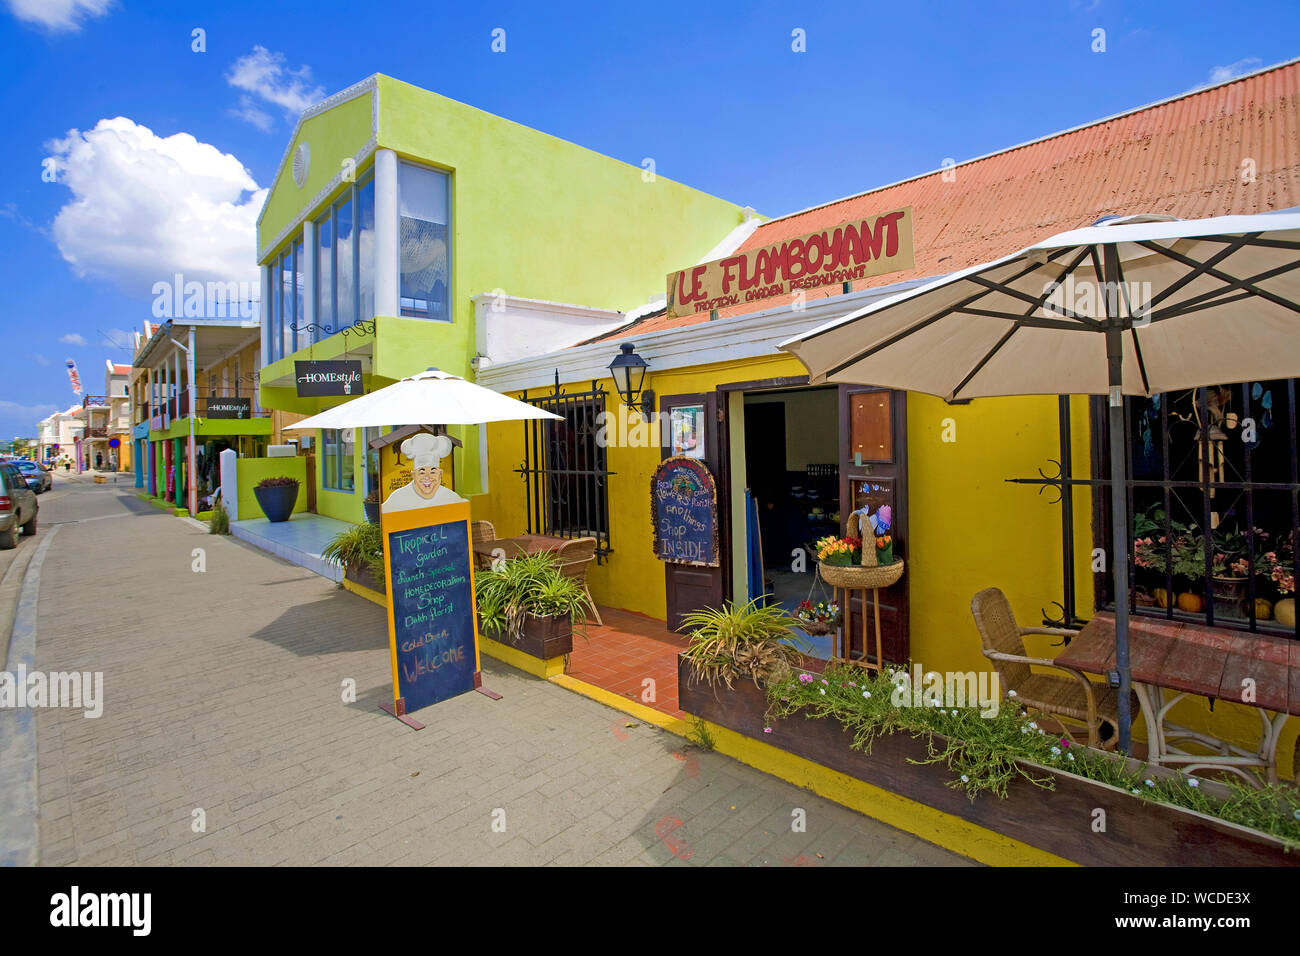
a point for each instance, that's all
(1138, 832)
(542, 637)
(360, 574)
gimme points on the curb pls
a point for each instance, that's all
(19, 806)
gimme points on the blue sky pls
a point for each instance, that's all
(713, 92)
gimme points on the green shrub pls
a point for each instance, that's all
(277, 482)
(358, 546)
(219, 523)
(751, 641)
(534, 585)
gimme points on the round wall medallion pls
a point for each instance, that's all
(301, 160)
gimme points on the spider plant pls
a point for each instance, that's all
(750, 640)
(358, 546)
(531, 586)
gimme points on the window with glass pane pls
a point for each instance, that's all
(303, 337)
(287, 299)
(272, 315)
(347, 463)
(366, 250)
(329, 441)
(423, 237)
(344, 266)
(324, 279)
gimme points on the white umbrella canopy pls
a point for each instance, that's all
(433, 397)
(1232, 283)
(1128, 306)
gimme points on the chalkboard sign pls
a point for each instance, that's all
(431, 613)
(684, 507)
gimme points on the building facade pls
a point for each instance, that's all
(405, 230)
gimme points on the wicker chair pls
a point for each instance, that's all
(480, 531)
(1072, 698)
(575, 557)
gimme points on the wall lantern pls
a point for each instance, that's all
(628, 370)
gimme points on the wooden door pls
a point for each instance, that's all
(692, 587)
(873, 472)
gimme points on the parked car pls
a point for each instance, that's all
(18, 506)
(38, 478)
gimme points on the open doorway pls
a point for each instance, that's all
(790, 464)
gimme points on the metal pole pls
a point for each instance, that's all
(193, 476)
(1118, 496)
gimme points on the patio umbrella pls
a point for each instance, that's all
(1131, 305)
(432, 397)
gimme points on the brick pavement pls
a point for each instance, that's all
(223, 692)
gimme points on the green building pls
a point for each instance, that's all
(405, 230)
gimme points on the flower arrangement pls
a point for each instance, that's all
(881, 522)
(819, 618)
(841, 551)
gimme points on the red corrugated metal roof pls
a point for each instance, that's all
(1183, 157)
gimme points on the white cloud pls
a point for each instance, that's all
(58, 15)
(25, 414)
(252, 115)
(263, 74)
(72, 338)
(1221, 74)
(39, 359)
(146, 207)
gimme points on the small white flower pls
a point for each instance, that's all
(866, 693)
(1056, 751)
(1069, 756)
(1135, 791)
(965, 779)
(1032, 725)
(1296, 814)
(1040, 730)
(822, 691)
(1149, 783)
(1024, 730)
(1012, 693)
(1193, 782)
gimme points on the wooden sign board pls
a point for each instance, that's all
(684, 506)
(432, 616)
(865, 247)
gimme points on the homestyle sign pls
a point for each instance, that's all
(431, 611)
(229, 407)
(684, 506)
(865, 247)
(318, 379)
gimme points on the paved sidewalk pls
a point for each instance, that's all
(223, 694)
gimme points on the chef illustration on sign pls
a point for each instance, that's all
(426, 453)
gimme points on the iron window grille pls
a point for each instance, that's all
(1220, 457)
(565, 470)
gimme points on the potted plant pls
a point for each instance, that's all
(819, 618)
(371, 506)
(749, 641)
(360, 550)
(276, 497)
(531, 603)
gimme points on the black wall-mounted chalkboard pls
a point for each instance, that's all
(433, 612)
(684, 506)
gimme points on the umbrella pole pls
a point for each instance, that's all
(1119, 523)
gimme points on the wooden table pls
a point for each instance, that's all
(1257, 670)
(507, 548)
